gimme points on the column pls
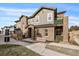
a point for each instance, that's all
(65, 29)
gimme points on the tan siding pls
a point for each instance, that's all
(42, 17)
(18, 25)
(50, 36)
(22, 24)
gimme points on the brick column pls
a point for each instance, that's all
(65, 29)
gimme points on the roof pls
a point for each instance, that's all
(61, 12)
(53, 9)
(21, 18)
(11, 26)
(48, 8)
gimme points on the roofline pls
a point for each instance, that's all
(62, 12)
(16, 21)
(21, 18)
(49, 8)
(40, 10)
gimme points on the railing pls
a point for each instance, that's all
(59, 21)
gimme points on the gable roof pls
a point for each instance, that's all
(48, 8)
(21, 18)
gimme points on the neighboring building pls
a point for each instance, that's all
(11, 29)
(3, 29)
(46, 24)
(0, 31)
(22, 23)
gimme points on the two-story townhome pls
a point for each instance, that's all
(21, 24)
(46, 24)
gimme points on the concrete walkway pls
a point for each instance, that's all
(28, 40)
(13, 41)
(37, 47)
(40, 48)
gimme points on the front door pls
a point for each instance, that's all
(29, 32)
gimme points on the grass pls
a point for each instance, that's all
(16, 50)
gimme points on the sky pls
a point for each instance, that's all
(10, 12)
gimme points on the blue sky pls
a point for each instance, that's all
(9, 12)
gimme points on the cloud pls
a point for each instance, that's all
(7, 21)
(9, 15)
(17, 12)
(67, 7)
(73, 20)
(4, 19)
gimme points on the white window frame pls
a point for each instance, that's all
(49, 15)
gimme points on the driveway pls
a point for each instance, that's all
(40, 48)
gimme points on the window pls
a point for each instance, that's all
(49, 16)
(46, 32)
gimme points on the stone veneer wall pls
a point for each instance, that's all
(65, 29)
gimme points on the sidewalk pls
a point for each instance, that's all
(13, 41)
(40, 48)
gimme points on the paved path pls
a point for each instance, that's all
(40, 48)
(37, 47)
(13, 41)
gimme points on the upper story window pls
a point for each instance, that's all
(49, 17)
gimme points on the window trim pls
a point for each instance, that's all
(48, 15)
(46, 32)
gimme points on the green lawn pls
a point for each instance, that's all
(15, 50)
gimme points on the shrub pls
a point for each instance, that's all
(17, 37)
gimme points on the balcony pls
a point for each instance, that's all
(59, 21)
